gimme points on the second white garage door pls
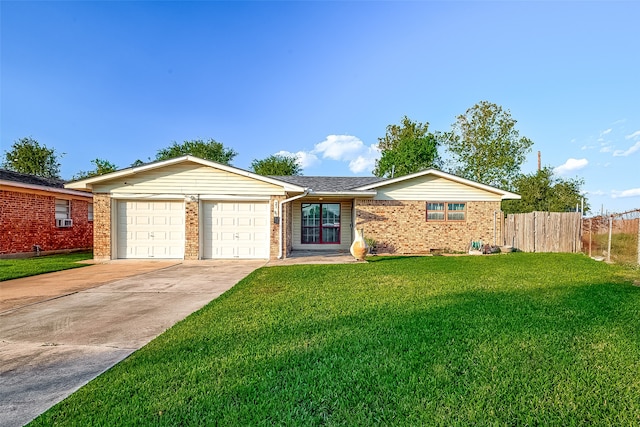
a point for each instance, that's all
(235, 230)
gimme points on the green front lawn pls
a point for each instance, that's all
(517, 339)
(24, 267)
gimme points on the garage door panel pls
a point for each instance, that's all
(227, 236)
(245, 222)
(262, 222)
(158, 220)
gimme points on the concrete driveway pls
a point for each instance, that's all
(54, 342)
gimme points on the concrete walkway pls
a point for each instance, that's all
(54, 342)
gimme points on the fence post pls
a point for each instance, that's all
(535, 232)
(609, 244)
(638, 241)
(590, 234)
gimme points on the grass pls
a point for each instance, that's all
(25, 267)
(624, 247)
(517, 340)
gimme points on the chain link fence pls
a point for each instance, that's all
(613, 238)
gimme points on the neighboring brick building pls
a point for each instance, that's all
(39, 214)
(190, 208)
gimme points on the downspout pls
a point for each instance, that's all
(291, 199)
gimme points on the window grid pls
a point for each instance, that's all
(63, 209)
(446, 211)
(320, 223)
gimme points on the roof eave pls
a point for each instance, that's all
(87, 184)
(45, 188)
(347, 193)
(503, 193)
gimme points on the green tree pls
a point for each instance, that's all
(543, 191)
(407, 148)
(101, 167)
(28, 156)
(208, 150)
(278, 165)
(486, 147)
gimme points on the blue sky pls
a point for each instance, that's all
(121, 80)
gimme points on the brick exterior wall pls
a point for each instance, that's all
(401, 227)
(102, 224)
(274, 242)
(28, 219)
(192, 231)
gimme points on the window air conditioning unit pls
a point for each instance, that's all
(64, 222)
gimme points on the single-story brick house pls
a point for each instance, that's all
(189, 208)
(39, 215)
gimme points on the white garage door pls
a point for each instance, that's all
(235, 230)
(150, 229)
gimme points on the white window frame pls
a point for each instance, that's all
(63, 209)
(89, 211)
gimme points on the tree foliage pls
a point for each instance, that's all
(543, 191)
(28, 156)
(278, 165)
(208, 150)
(407, 148)
(101, 167)
(486, 147)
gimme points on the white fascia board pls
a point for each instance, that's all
(227, 197)
(128, 196)
(504, 194)
(193, 197)
(45, 188)
(88, 182)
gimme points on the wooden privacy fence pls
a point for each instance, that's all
(544, 231)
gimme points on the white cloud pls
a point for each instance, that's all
(632, 192)
(305, 159)
(595, 193)
(339, 147)
(605, 132)
(635, 147)
(366, 161)
(571, 165)
(606, 149)
(634, 135)
(342, 148)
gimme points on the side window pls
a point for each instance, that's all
(456, 212)
(63, 209)
(440, 211)
(90, 212)
(63, 213)
(435, 211)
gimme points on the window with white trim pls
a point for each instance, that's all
(446, 211)
(90, 211)
(63, 209)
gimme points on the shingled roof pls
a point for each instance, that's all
(23, 178)
(329, 183)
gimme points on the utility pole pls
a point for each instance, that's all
(539, 162)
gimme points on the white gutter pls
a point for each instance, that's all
(290, 199)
